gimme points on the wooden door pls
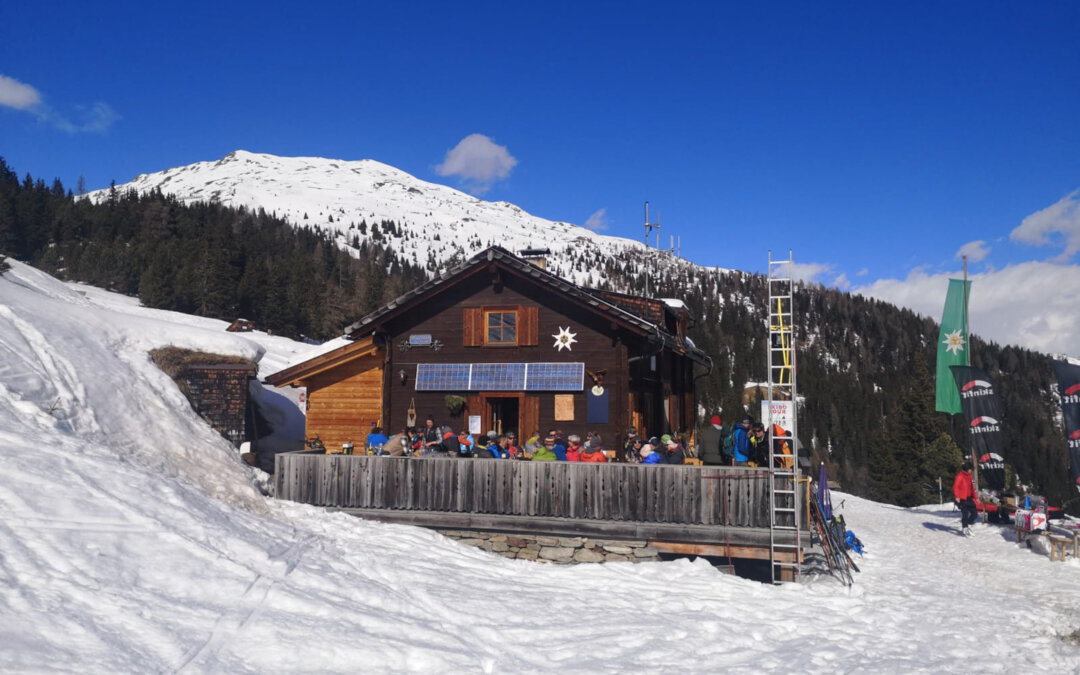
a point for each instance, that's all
(530, 417)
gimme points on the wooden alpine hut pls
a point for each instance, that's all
(508, 346)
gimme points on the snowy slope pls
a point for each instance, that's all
(133, 540)
(338, 195)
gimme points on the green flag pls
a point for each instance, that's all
(952, 345)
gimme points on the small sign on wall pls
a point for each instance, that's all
(474, 424)
(564, 407)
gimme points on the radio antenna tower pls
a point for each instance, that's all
(649, 227)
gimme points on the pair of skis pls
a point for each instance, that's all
(836, 555)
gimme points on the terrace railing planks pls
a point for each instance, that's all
(679, 495)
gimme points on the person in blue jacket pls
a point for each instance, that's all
(650, 454)
(559, 448)
(376, 440)
(741, 435)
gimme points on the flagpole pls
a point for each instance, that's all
(967, 354)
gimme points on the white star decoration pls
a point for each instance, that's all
(564, 338)
(954, 342)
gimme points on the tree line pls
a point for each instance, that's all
(201, 258)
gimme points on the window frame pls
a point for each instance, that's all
(487, 312)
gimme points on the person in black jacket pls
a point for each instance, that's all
(673, 452)
(430, 434)
(711, 443)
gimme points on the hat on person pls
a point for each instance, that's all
(716, 420)
(747, 420)
(631, 431)
(549, 439)
(654, 441)
(665, 439)
(574, 438)
(510, 435)
(595, 447)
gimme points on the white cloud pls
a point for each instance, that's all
(841, 282)
(1062, 218)
(808, 272)
(95, 118)
(974, 250)
(598, 221)
(15, 94)
(1033, 304)
(863, 272)
(478, 161)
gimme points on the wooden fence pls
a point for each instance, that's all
(681, 495)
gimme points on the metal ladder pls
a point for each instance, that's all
(785, 542)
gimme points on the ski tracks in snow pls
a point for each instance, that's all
(40, 382)
(231, 623)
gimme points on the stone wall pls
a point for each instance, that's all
(560, 550)
(219, 394)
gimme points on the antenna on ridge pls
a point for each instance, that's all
(649, 227)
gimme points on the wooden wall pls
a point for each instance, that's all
(599, 345)
(343, 402)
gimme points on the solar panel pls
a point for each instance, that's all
(555, 377)
(500, 376)
(442, 376)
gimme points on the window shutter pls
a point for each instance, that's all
(472, 326)
(528, 326)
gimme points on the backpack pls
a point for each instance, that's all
(727, 439)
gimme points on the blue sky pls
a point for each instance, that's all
(875, 140)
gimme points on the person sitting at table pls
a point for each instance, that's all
(375, 441)
(674, 453)
(573, 448)
(398, 444)
(650, 455)
(594, 452)
(546, 452)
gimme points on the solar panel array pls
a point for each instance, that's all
(500, 376)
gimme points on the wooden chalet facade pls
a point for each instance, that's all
(521, 348)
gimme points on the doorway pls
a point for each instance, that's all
(502, 413)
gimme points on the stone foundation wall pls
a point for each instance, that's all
(559, 550)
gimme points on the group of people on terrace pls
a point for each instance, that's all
(432, 440)
(741, 444)
(745, 443)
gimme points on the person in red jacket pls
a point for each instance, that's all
(964, 495)
(573, 449)
(594, 452)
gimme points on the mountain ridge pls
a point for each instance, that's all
(436, 222)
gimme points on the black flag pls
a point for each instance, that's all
(1069, 387)
(979, 402)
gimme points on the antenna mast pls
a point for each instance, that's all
(649, 227)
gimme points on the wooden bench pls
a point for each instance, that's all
(1057, 546)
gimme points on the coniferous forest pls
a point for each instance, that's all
(865, 367)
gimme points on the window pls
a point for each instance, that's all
(501, 328)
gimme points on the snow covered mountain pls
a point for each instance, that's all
(433, 221)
